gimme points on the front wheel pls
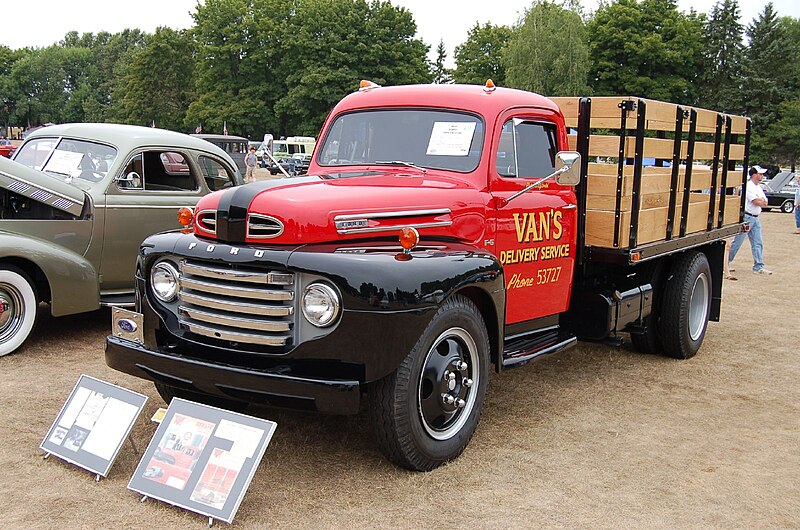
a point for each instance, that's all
(426, 411)
(787, 207)
(686, 306)
(17, 308)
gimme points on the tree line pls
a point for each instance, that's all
(279, 66)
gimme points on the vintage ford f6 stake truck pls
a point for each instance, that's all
(442, 229)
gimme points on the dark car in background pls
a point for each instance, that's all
(780, 191)
(235, 146)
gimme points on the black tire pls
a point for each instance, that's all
(168, 392)
(787, 207)
(18, 308)
(686, 306)
(415, 426)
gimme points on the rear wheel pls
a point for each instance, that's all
(686, 306)
(17, 308)
(787, 207)
(427, 410)
(168, 392)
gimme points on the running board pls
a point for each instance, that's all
(117, 300)
(529, 347)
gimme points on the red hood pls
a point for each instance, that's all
(333, 207)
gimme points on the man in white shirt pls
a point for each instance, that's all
(755, 200)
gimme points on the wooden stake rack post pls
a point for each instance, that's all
(657, 177)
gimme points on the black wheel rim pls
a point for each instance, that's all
(448, 383)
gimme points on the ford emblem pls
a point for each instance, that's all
(127, 325)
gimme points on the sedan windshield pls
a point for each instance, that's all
(424, 138)
(68, 157)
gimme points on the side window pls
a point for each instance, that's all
(159, 171)
(215, 174)
(527, 149)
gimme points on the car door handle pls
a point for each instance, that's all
(570, 207)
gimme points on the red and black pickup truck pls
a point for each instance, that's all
(441, 230)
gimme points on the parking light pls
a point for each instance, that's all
(185, 216)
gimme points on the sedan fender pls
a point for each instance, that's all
(74, 286)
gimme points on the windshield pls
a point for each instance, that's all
(425, 138)
(68, 157)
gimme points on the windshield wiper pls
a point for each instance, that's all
(399, 163)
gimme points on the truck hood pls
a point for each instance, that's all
(40, 187)
(342, 206)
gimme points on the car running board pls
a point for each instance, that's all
(117, 300)
(523, 349)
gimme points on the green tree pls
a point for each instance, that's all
(241, 64)
(440, 73)
(38, 83)
(547, 52)
(8, 100)
(334, 45)
(783, 134)
(480, 57)
(647, 49)
(769, 77)
(160, 80)
(720, 80)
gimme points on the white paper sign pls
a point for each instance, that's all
(65, 162)
(451, 138)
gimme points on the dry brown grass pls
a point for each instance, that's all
(597, 437)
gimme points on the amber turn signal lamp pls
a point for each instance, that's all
(366, 85)
(409, 237)
(185, 216)
(489, 86)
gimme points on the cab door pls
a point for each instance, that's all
(535, 232)
(142, 200)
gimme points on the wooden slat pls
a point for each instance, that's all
(608, 146)
(654, 180)
(738, 125)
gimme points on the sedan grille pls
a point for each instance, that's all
(237, 304)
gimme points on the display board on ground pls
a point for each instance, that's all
(93, 424)
(202, 458)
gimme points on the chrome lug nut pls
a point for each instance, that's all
(461, 366)
(467, 382)
(447, 399)
(460, 403)
(451, 376)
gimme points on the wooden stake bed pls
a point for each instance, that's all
(650, 168)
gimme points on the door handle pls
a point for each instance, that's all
(570, 207)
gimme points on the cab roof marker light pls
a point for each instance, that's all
(365, 85)
(489, 86)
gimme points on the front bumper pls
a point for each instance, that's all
(273, 386)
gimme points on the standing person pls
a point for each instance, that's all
(797, 207)
(755, 199)
(250, 161)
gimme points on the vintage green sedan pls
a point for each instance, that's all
(75, 203)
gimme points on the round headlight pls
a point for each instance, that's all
(320, 304)
(164, 281)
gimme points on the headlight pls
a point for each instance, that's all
(320, 304)
(164, 281)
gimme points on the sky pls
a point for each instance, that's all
(41, 23)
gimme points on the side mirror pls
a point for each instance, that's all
(569, 165)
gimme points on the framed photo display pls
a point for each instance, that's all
(93, 424)
(202, 458)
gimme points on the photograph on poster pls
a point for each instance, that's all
(176, 455)
(58, 435)
(93, 424)
(75, 438)
(202, 458)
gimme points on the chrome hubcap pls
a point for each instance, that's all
(446, 386)
(698, 307)
(12, 307)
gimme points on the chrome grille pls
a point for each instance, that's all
(238, 304)
(263, 226)
(207, 220)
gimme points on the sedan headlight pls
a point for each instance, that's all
(164, 281)
(320, 304)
